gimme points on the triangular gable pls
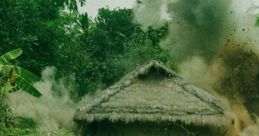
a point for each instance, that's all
(123, 100)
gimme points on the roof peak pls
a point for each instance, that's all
(145, 68)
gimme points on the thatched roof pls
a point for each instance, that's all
(154, 93)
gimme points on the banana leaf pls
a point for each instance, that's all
(5, 58)
(22, 78)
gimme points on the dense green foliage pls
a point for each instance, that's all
(13, 126)
(28, 24)
(100, 52)
(96, 52)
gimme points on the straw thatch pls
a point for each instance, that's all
(154, 93)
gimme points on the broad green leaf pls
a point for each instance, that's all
(20, 71)
(5, 58)
(26, 86)
(26, 74)
(23, 78)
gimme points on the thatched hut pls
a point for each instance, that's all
(152, 101)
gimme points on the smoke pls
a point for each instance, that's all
(252, 130)
(239, 81)
(53, 111)
(216, 44)
(147, 15)
(192, 69)
(196, 26)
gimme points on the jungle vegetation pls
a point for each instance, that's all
(96, 51)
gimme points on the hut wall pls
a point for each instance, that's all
(106, 128)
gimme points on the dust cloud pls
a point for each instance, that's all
(53, 111)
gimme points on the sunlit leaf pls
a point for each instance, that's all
(4, 59)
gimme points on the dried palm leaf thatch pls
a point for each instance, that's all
(154, 93)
